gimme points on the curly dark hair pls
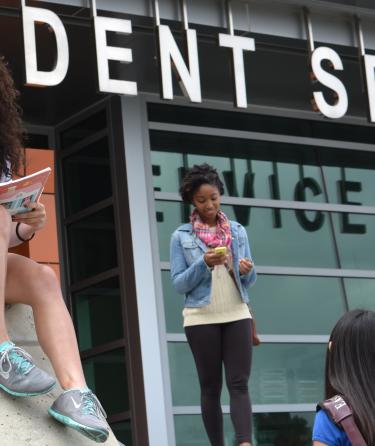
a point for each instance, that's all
(195, 177)
(11, 129)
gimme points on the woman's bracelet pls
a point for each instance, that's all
(18, 234)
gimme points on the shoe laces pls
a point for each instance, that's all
(16, 356)
(92, 406)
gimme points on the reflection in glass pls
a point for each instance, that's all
(360, 293)
(269, 429)
(173, 305)
(281, 374)
(83, 129)
(87, 176)
(355, 235)
(92, 245)
(245, 176)
(106, 376)
(123, 432)
(297, 301)
(290, 244)
(98, 306)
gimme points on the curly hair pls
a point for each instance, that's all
(195, 177)
(11, 129)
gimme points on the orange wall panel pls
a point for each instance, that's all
(44, 246)
(38, 159)
(56, 268)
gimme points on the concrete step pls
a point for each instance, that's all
(25, 421)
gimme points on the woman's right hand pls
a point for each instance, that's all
(212, 258)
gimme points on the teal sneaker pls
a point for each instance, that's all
(19, 376)
(81, 410)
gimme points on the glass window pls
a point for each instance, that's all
(297, 302)
(173, 305)
(87, 176)
(98, 306)
(283, 429)
(360, 293)
(355, 235)
(92, 245)
(123, 432)
(106, 376)
(277, 237)
(83, 129)
(269, 429)
(281, 374)
(258, 169)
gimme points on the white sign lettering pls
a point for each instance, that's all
(31, 16)
(106, 53)
(187, 72)
(341, 106)
(369, 62)
(169, 52)
(239, 44)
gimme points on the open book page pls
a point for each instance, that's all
(16, 195)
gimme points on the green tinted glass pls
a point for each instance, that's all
(123, 432)
(106, 376)
(87, 176)
(355, 235)
(98, 306)
(361, 293)
(297, 302)
(173, 305)
(278, 237)
(242, 177)
(92, 245)
(269, 429)
(281, 374)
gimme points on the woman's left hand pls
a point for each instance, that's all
(245, 266)
(36, 218)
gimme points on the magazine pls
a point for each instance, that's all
(15, 195)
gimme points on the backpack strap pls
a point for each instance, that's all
(342, 415)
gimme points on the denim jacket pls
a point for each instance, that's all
(191, 275)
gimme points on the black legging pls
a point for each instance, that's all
(231, 344)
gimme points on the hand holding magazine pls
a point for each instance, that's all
(16, 195)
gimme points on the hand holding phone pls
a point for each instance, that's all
(216, 256)
(220, 250)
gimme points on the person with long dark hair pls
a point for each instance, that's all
(24, 281)
(350, 369)
(211, 265)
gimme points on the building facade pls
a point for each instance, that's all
(279, 97)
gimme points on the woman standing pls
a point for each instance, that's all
(24, 281)
(350, 367)
(211, 264)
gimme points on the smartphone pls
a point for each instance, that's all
(220, 250)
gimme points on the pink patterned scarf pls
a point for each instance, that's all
(221, 237)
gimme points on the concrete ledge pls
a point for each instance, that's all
(25, 421)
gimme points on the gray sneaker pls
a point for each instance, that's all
(19, 376)
(81, 410)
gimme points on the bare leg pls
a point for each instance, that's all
(36, 285)
(5, 230)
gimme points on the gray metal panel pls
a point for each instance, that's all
(153, 344)
(257, 408)
(331, 22)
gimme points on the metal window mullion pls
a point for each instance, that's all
(260, 136)
(267, 338)
(306, 271)
(256, 408)
(279, 204)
